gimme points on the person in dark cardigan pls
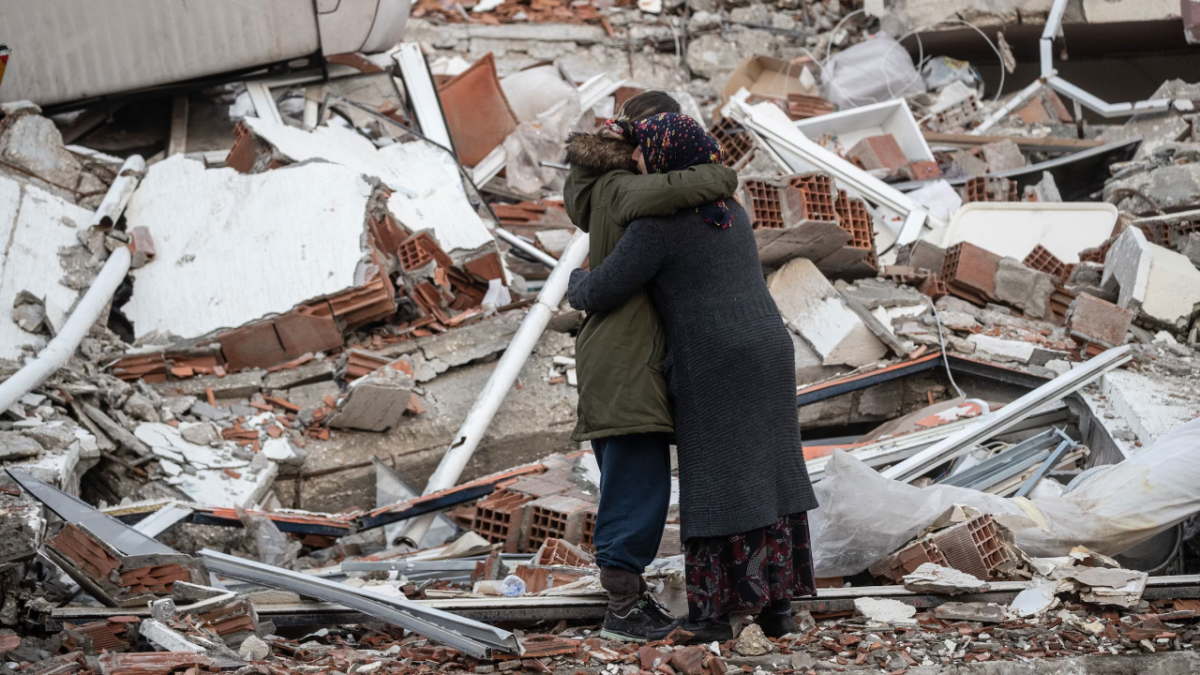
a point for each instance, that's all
(744, 487)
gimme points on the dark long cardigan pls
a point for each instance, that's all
(730, 367)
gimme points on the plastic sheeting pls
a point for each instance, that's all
(542, 140)
(869, 72)
(864, 516)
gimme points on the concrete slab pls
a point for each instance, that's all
(1161, 285)
(812, 307)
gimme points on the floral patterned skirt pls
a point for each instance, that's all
(747, 571)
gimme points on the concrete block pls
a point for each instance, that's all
(1026, 289)
(970, 611)
(879, 152)
(312, 395)
(236, 385)
(812, 307)
(375, 402)
(1094, 320)
(1161, 285)
(922, 255)
(314, 371)
(1002, 156)
(999, 349)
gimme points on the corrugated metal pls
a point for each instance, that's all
(69, 50)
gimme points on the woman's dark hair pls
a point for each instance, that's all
(647, 104)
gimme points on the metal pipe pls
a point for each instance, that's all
(542, 257)
(1008, 416)
(501, 381)
(93, 303)
(119, 192)
(1013, 103)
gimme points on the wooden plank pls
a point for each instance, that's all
(1026, 144)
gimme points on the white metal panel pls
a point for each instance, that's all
(64, 50)
(232, 248)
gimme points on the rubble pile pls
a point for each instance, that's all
(277, 394)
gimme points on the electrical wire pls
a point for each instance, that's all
(942, 341)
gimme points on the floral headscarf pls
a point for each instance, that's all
(673, 142)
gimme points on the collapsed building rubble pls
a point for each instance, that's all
(294, 392)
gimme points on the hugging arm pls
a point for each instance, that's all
(662, 194)
(632, 264)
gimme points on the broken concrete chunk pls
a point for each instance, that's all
(314, 371)
(1161, 285)
(932, 578)
(1000, 349)
(812, 307)
(1023, 288)
(374, 402)
(1002, 156)
(254, 649)
(970, 611)
(14, 445)
(885, 611)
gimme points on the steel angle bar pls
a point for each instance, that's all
(1065, 446)
(1008, 463)
(158, 522)
(1009, 415)
(470, 637)
(409, 566)
(77, 512)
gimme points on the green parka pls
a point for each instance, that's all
(619, 354)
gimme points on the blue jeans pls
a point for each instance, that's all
(635, 491)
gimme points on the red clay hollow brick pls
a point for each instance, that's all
(970, 272)
(879, 152)
(1094, 320)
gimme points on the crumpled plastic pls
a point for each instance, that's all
(864, 516)
(876, 70)
(543, 140)
(942, 70)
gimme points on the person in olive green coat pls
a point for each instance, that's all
(623, 405)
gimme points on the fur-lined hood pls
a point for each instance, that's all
(599, 154)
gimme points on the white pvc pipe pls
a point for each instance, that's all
(119, 192)
(92, 305)
(501, 381)
(73, 331)
(543, 257)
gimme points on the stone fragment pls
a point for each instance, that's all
(141, 408)
(753, 642)
(933, 578)
(203, 433)
(254, 649)
(14, 445)
(970, 611)
(885, 611)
